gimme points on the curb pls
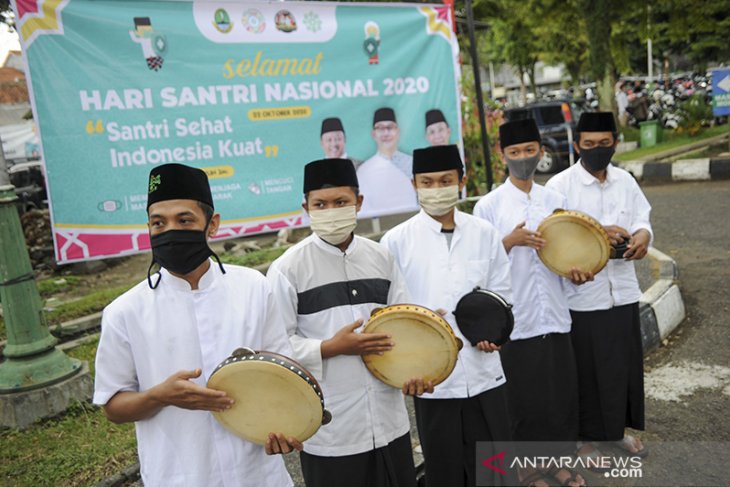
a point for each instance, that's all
(682, 170)
(661, 307)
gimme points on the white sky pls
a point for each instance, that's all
(8, 41)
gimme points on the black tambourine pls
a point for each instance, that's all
(484, 315)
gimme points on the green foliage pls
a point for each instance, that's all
(511, 37)
(695, 113)
(473, 154)
(699, 29)
(561, 34)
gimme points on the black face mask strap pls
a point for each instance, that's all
(220, 264)
(215, 256)
(149, 278)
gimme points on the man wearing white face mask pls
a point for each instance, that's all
(327, 285)
(539, 360)
(444, 254)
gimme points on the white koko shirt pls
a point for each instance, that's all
(148, 335)
(321, 289)
(438, 276)
(386, 186)
(616, 201)
(540, 304)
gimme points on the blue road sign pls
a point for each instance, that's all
(721, 92)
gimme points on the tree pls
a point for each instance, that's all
(561, 35)
(511, 37)
(599, 16)
(700, 29)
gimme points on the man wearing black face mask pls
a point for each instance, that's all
(542, 381)
(161, 340)
(606, 330)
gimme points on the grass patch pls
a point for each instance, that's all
(80, 448)
(631, 134)
(672, 140)
(91, 303)
(252, 259)
(55, 285)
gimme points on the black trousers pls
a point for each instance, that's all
(542, 390)
(388, 466)
(610, 362)
(449, 430)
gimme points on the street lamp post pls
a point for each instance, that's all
(31, 358)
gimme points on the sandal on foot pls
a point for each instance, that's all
(532, 479)
(571, 479)
(628, 444)
(590, 460)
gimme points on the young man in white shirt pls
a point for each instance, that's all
(326, 286)
(539, 359)
(385, 177)
(606, 328)
(161, 340)
(444, 254)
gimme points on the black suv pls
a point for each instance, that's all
(553, 119)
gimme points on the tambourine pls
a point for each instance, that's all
(425, 346)
(573, 240)
(272, 394)
(484, 315)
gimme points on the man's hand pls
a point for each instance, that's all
(348, 342)
(579, 277)
(278, 444)
(523, 237)
(617, 234)
(417, 387)
(486, 346)
(638, 245)
(178, 390)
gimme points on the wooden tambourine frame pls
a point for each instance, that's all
(425, 346)
(272, 394)
(573, 239)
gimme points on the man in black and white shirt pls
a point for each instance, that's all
(327, 285)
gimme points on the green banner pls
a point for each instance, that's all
(240, 90)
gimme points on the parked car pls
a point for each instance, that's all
(30, 184)
(553, 119)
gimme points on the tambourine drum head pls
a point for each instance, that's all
(425, 346)
(573, 240)
(268, 399)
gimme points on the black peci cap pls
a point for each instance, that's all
(435, 116)
(384, 115)
(596, 122)
(518, 132)
(329, 173)
(437, 158)
(333, 124)
(178, 182)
